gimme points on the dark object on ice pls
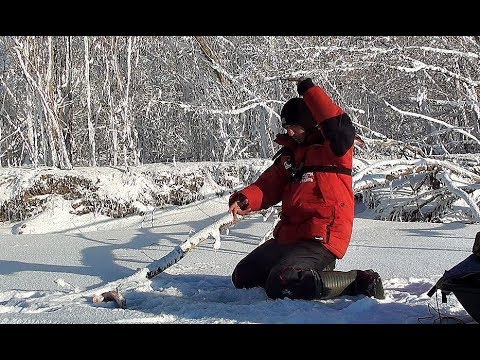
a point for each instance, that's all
(112, 295)
(463, 280)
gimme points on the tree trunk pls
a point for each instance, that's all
(91, 130)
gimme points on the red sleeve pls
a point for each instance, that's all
(267, 190)
(320, 104)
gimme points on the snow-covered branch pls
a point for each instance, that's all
(420, 66)
(214, 230)
(411, 167)
(466, 54)
(428, 118)
(208, 110)
(445, 176)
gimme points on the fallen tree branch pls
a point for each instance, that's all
(112, 291)
(214, 231)
(445, 176)
(371, 176)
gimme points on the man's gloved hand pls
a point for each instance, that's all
(303, 84)
(239, 198)
(238, 204)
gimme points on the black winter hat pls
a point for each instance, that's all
(296, 112)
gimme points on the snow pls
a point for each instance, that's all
(52, 264)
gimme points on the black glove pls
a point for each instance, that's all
(303, 85)
(240, 199)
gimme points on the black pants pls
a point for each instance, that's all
(284, 270)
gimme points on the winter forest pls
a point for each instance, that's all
(131, 101)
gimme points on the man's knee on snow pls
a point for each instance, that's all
(237, 279)
(292, 283)
(243, 279)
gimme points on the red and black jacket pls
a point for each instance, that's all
(313, 179)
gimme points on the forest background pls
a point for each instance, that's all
(125, 101)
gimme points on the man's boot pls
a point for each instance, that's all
(369, 283)
(331, 284)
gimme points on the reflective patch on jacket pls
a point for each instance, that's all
(307, 177)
